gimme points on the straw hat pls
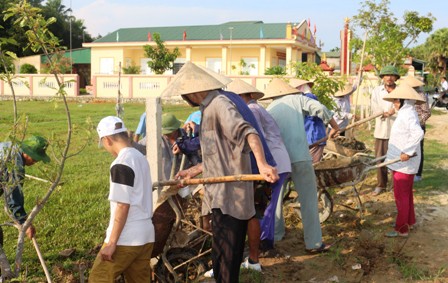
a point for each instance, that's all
(348, 89)
(413, 81)
(192, 79)
(295, 83)
(404, 91)
(241, 87)
(276, 88)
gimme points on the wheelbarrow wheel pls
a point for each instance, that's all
(325, 201)
(189, 272)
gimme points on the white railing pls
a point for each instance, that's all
(40, 85)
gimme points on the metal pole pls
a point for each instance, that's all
(230, 50)
(71, 57)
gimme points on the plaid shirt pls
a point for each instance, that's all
(423, 110)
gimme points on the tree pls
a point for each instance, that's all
(162, 58)
(388, 39)
(39, 39)
(437, 50)
(61, 29)
(324, 86)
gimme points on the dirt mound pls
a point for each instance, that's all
(350, 143)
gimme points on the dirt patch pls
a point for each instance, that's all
(361, 253)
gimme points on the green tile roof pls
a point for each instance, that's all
(241, 30)
(79, 56)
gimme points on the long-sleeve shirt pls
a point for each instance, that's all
(247, 114)
(405, 138)
(12, 175)
(289, 112)
(378, 104)
(423, 110)
(271, 132)
(225, 151)
(314, 126)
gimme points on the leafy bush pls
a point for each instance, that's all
(28, 69)
(275, 71)
(131, 70)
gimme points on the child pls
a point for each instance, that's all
(404, 142)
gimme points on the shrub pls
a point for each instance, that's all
(28, 69)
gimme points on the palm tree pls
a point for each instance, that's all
(437, 45)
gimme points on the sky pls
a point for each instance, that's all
(104, 16)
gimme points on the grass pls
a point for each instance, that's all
(77, 213)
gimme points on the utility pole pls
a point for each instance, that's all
(230, 49)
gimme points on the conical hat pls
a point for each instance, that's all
(241, 87)
(295, 83)
(413, 81)
(404, 91)
(348, 89)
(191, 79)
(277, 87)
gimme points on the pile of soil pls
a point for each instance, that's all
(337, 163)
(351, 143)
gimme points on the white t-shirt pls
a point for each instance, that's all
(130, 182)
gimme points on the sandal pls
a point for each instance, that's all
(394, 234)
(322, 249)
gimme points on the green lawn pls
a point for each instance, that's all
(78, 212)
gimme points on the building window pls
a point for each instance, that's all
(107, 66)
(249, 66)
(214, 64)
(144, 69)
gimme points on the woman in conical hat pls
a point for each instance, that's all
(272, 224)
(404, 142)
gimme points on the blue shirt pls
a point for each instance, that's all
(141, 128)
(314, 126)
(195, 117)
(249, 117)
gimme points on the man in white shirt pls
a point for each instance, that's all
(444, 84)
(130, 235)
(389, 75)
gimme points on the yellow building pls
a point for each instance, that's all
(233, 48)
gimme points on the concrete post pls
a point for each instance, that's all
(154, 137)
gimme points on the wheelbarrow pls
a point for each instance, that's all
(340, 172)
(348, 172)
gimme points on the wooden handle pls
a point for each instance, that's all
(209, 180)
(361, 121)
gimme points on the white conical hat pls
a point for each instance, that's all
(239, 87)
(295, 83)
(348, 89)
(413, 81)
(404, 91)
(277, 87)
(191, 79)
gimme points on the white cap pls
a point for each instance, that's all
(110, 125)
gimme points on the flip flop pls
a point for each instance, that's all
(322, 249)
(394, 234)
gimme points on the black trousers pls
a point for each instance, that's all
(229, 235)
(422, 143)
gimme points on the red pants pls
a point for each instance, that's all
(404, 199)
